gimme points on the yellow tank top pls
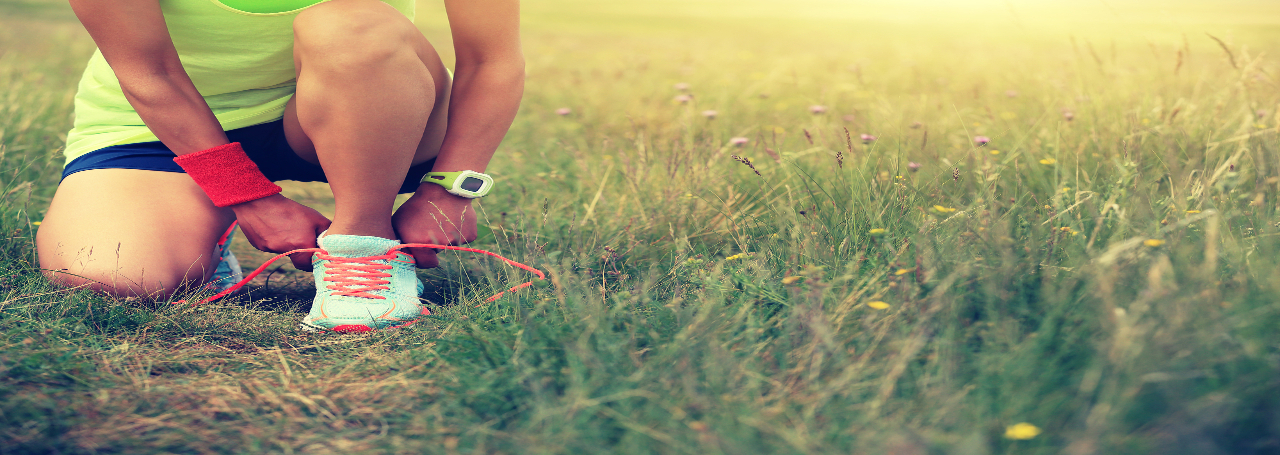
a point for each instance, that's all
(240, 61)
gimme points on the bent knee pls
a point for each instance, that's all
(123, 275)
(124, 283)
(353, 33)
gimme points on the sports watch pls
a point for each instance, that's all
(468, 184)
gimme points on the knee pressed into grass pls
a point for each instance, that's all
(152, 283)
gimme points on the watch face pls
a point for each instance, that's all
(472, 184)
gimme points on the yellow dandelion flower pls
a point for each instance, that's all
(35, 223)
(878, 231)
(1066, 189)
(791, 280)
(878, 305)
(941, 209)
(902, 272)
(899, 177)
(1022, 431)
(995, 152)
(1192, 212)
(1153, 242)
(1048, 161)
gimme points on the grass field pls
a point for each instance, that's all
(1105, 270)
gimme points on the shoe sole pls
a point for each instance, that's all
(307, 326)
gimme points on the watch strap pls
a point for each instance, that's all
(444, 179)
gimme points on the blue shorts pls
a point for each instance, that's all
(264, 143)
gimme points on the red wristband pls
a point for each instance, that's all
(227, 175)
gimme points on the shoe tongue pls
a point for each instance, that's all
(356, 246)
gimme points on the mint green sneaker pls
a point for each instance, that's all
(228, 272)
(363, 283)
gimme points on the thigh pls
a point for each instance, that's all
(130, 232)
(437, 123)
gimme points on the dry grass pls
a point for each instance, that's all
(1103, 269)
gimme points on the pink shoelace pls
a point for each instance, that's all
(357, 276)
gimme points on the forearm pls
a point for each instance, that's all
(175, 112)
(484, 101)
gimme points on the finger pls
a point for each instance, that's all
(322, 224)
(301, 261)
(425, 258)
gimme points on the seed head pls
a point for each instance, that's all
(747, 161)
(848, 142)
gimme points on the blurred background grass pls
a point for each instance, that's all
(1103, 270)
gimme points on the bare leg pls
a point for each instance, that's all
(130, 233)
(368, 83)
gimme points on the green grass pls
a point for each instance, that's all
(1110, 278)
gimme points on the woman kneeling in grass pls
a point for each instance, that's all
(190, 110)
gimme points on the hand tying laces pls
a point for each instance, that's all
(358, 276)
